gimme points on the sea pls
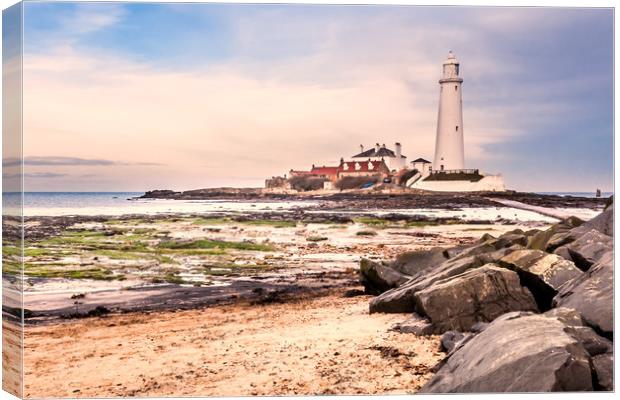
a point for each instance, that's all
(123, 203)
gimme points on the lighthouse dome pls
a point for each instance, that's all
(451, 58)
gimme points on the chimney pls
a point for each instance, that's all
(398, 150)
(361, 148)
(377, 147)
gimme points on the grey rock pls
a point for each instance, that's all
(542, 273)
(604, 222)
(603, 365)
(567, 316)
(417, 325)
(475, 250)
(450, 339)
(589, 248)
(377, 278)
(562, 251)
(515, 237)
(401, 299)
(591, 294)
(413, 262)
(480, 294)
(540, 240)
(479, 327)
(591, 341)
(517, 352)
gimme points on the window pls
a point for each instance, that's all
(457, 128)
(441, 167)
(456, 87)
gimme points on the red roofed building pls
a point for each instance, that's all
(330, 173)
(363, 168)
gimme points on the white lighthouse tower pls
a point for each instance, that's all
(449, 151)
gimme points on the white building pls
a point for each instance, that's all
(394, 160)
(448, 173)
(449, 148)
(422, 165)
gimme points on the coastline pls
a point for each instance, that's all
(257, 264)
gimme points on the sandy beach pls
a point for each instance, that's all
(325, 345)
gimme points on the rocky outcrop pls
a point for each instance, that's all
(587, 249)
(604, 222)
(603, 365)
(516, 353)
(540, 240)
(402, 299)
(480, 294)
(485, 299)
(377, 278)
(414, 262)
(592, 295)
(542, 273)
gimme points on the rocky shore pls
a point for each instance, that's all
(400, 198)
(527, 311)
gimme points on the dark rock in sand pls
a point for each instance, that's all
(481, 294)
(516, 353)
(589, 248)
(417, 325)
(603, 366)
(413, 262)
(542, 273)
(451, 339)
(591, 294)
(377, 278)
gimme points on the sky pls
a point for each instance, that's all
(133, 97)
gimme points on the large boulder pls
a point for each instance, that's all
(516, 353)
(413, 262)
(481, 294)
(377, 278)
(542, 273)
(401, 299)
(603, 365)
(511, 238)
(572, 229)
(604, 222)
(588, 248)
(540, 240)
(592, 295)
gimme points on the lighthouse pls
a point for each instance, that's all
(449, 150)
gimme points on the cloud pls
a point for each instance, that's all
(34, 175)
(87, 18)
(298, 88)
(67, 161)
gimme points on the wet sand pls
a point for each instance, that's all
(325, 345)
